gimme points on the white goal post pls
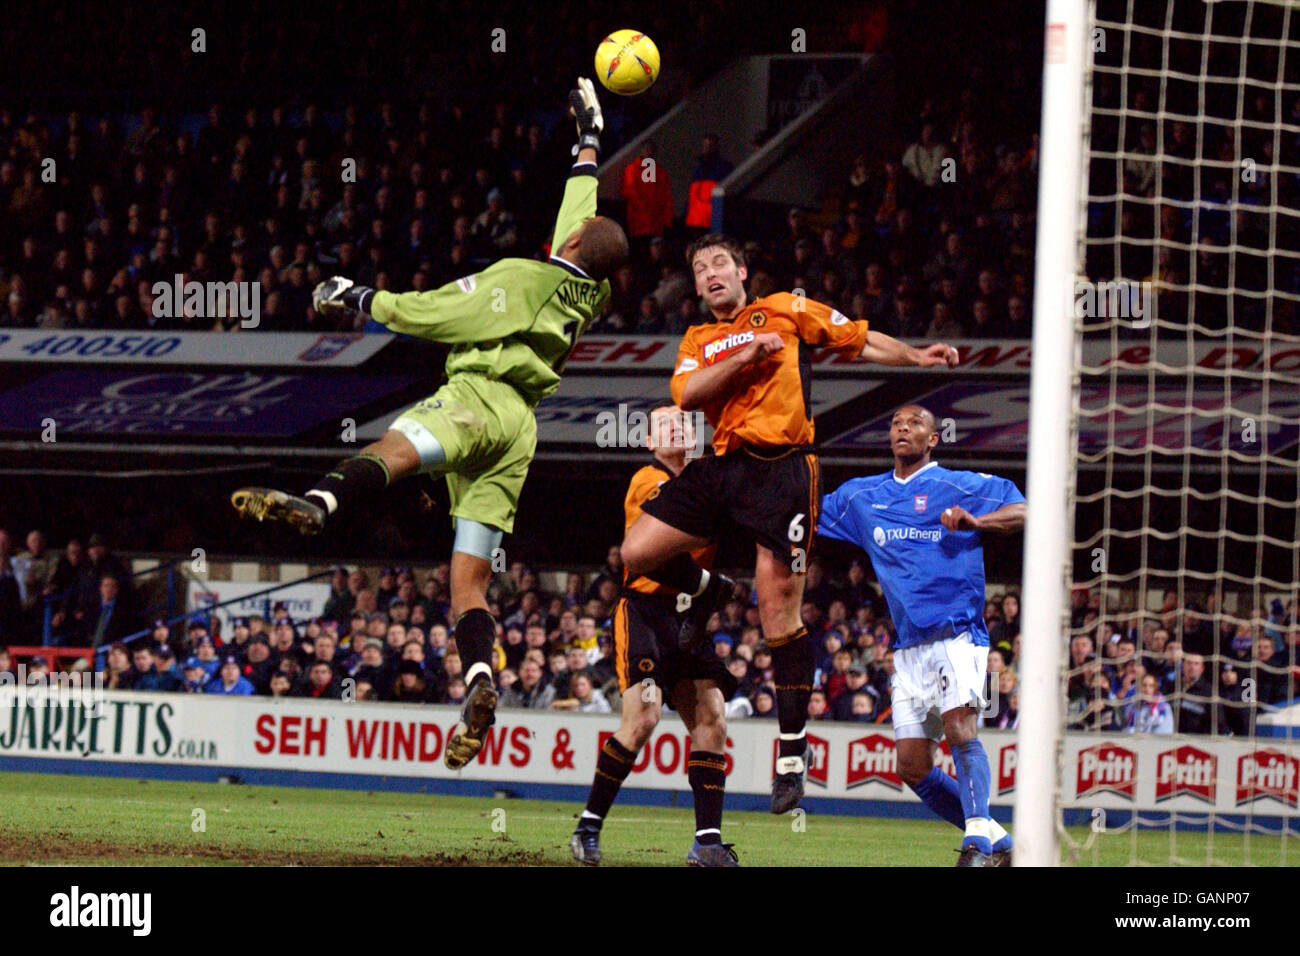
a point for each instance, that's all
(1050, 478)
(1161, 594)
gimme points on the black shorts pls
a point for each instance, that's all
(646, 647)
(776, 497)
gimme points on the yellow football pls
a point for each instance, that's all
(627, 62)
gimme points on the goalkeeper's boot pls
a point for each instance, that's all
(264, 504)
(478, 714)
(712, 854)
(787, 785)
(695, 629)
(970, 856)
(585, 844)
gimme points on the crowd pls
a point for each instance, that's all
(1188, 668)
(391, 639)
(933, 237)
(252, 198)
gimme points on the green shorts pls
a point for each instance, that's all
(488, 435)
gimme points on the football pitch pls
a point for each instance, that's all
(87, 821)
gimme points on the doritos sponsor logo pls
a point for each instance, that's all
(918, 502)
(1007, 761)
(1186, 771)
(1268, 774)
(326, 347)
(873, 758)
(818, 758)
(1106, 768)
(728, 343)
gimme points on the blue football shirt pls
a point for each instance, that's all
(933, 578)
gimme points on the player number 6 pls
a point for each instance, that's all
(795, 532)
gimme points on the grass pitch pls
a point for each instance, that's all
(80, 820)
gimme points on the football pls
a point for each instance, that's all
(627, 62)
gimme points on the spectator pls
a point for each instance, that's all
(258, 663)
(338, 606)
(529, 690)
(320, 682)
(196, 676)
(369, 667)
(229, 680)
(817, 705)
(924, 158)
(865, 707)
(411, 685)
(143, 675)
(584, 697)
(1150, 714)
(649, 196)
(1091, 706)
(1272, 681)
(165, 665)
(280, 685)
(710, 169)
(765, 703)
(1194, 706)
(38, 564)
(855, 682)
(117, 668)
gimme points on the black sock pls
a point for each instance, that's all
(707, 773)
(475, 634)
(613, 764)
(680, 573)
(351, 480)
(793, 666)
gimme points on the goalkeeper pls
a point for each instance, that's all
(511, 328)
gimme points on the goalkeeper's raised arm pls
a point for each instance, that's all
(480, 307)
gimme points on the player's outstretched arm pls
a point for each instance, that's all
(887, 350)
(579, 202)
(467, 310)
(1007, 519)
(708, 383)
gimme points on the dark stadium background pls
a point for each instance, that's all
(117, 62)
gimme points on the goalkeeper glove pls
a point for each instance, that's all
(586, 110)
(337, 294)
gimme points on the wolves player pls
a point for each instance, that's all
(652, 667)
(511, 328)
(750, 372)
(921, 525)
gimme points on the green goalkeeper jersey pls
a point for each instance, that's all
(518, 319)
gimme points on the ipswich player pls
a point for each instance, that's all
(653, 667)
(511, 328)
(921, 525)
(749, 370)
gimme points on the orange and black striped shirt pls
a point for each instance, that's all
(768, 404)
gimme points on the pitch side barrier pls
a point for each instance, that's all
(545, 755)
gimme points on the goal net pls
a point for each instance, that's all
(1175, 614)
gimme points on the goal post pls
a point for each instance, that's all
(1050, 475)
(1160, 658)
